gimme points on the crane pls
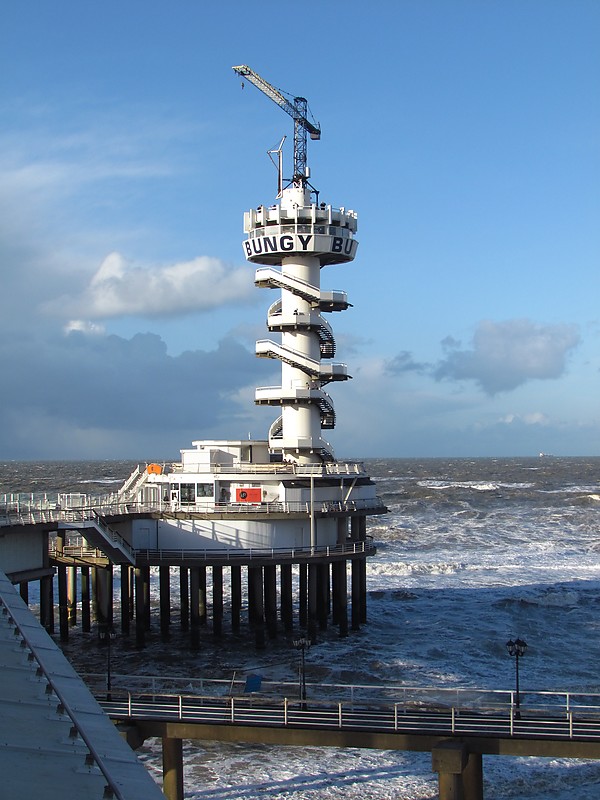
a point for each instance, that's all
(297, 110)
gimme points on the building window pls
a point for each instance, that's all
(205, 490)
(188, 493)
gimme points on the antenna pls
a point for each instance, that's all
(278, 165)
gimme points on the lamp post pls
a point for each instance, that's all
(517, 649)
(105, 635)
(302, 645)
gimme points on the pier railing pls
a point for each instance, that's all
(406, 698)
(33, 509)
(81, 551)
(541, 715)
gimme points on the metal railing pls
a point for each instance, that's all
(44, 511)
(551, 716)
(82, 551)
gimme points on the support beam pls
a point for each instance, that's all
(62, 603)
(303, 595)
(460, 772)
(270, 574)
(164, 580)
(86, 615)
(202, 612)
(125, 599)
(340, 596)
(147, 607)
(172, 753)
(195, 608)
(256, 605)
(236, 597)
(72, 596)
(184, 595)
(287, 607)
(323, 595)
(312, 602)
(356, 601)
(140, 613)
(217, 576)
(47, 603)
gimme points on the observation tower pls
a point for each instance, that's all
(294, 239)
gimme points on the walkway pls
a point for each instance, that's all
(546, 724)
(55, 740)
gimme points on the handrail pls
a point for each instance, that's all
(461, 698)
(225, 554)
(495, 721)
(112, 506)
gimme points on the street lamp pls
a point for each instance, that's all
(105, 635)
(302, 645)
(517, 649)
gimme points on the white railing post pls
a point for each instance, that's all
(232, 710)
(570, 724)
(340, 714)
(285, 711)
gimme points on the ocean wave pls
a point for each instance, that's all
(406, 568)
(479, 486)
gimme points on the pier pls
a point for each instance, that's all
(457, 726)
(85, 544)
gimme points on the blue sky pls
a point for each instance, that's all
(466, 136)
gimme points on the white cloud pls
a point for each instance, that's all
(83, 327)
(120, 288)
(510, 353)
(533, 418)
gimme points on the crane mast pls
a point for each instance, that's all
(297, 111)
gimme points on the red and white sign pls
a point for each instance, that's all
(249, 495)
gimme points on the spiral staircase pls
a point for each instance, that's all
(296, 239)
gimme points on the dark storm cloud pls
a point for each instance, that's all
(507, 354)
(107, 382)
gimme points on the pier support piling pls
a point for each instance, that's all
(217, 580)
(172, 753)
(63, 619)
(184, 601)
(86, 610)
(287, 612)
(72, 596)
(236, 597)
(140, 615)
(164, 578)
(460, 772)
(125, 599)
(270, 574)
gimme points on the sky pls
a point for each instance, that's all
(465, 133)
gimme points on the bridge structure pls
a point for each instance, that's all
(457, 726)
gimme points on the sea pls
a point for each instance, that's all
(472, 553)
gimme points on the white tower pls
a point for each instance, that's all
(294, 239)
